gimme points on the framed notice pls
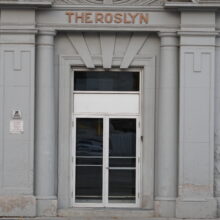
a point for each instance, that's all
(16, 125)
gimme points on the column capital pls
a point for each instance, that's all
(169, 39)
(46, 37)
(48, 32)
(167, 34)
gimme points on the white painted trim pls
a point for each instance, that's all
(105, 178)
(106, 118)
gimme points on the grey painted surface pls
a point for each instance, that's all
(196, 119)
(140, 59)
(45, 134)
(17, 93)
(20, 193)
(167, 131)
(217, 123)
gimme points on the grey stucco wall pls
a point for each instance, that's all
(198, 53)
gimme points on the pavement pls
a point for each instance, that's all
(95, 218)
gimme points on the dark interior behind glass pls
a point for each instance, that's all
(89, 155)
(106, 81)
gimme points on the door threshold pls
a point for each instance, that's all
(106, 212)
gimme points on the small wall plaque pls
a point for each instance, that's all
(16, 123)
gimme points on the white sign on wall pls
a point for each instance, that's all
(16, 125)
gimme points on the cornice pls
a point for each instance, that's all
(110, 2)
(198, 33)
(106, 8)
(27, 3)
(192, 4)
(18, 31)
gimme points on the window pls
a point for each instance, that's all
(106, 81)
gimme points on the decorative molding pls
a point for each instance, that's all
(26, 2)
(111, 48)
(111, 2)
(192, 3)
(108, 46)
(208, 1)
(136, 43)
(78, 41)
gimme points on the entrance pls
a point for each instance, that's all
(106, 139)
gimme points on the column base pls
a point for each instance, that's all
(165, 207)
(18, 206)
(205, 209)
(47, 206)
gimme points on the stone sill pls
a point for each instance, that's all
(113, 213)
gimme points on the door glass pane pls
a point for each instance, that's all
(122, 160)
(121, 186)
(89, 156)
(106, 81)
(88, 184)
(122, 142)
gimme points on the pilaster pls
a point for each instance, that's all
(45, 134)
(196, 136)
(167, 127)
(17, 69)
(217, 122)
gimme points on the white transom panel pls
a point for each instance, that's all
(106, 103)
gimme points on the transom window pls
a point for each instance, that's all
(106, 81)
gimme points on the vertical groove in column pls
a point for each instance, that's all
(167, 127)
(45, 136)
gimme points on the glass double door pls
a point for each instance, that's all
(106, 161)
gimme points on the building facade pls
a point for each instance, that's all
(110, 108)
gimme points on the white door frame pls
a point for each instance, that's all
(105, 177)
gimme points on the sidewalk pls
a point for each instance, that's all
(95, 218)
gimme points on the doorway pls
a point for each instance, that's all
(106, 137)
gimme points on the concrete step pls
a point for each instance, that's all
(95, 218)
